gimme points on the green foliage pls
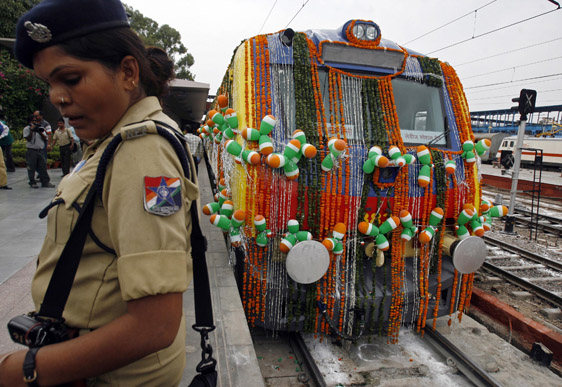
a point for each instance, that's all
(19, 149)
(20, 93)
(11, 12)
(165, 37)
(433, 76)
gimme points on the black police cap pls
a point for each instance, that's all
(56, 21)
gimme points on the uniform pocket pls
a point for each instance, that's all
(62, 218)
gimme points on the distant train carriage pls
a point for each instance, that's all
(348, 182)
(551, 151)
(492, 153)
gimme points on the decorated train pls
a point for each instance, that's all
(347, 182)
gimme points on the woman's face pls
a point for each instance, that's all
(95, 98)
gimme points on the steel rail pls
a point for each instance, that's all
(555, 265)
(541, 216)
(552, 229)
(546, 295)
(467, 366)
(297, 343)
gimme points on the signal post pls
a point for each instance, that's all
(526, 105)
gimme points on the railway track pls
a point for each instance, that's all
(532, 272)
(546, 223)
(290, 360)
(549, 219)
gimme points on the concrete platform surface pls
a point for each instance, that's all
(21, 238)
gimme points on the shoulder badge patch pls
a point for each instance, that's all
(162, 195)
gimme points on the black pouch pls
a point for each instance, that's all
(34, 331)
(208, 379)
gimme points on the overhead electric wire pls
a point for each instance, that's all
(492, 31)
(517, 80)
(305, 3)
(510, 95)
(451, 22)
(507, 52)
(509, 87)
(267, 17)
(511, 68)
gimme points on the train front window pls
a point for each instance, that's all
(420, 112)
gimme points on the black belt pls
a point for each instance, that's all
(36, 150)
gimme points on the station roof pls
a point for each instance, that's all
(187, 102)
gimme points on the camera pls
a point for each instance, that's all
(37, 128)
(35, 331)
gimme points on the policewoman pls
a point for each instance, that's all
(126, 298)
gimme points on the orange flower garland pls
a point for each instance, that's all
(331, 195)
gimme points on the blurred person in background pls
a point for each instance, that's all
(6, 141)
(63, 137)
(36, 137)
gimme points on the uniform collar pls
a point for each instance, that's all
(140, 111)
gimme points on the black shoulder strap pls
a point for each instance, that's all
(65, 270)
(60, 284)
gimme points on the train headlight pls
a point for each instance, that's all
(359, 31)
(371, 33)
(362, 32)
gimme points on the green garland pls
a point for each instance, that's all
(431, 68)
(374, 127)
(440, 195)
(305, 119)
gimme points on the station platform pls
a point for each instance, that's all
(22, 234)
(551, 181)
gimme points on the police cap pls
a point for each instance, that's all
(56, 21)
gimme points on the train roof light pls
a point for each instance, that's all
(359, 31)
(371, 33)
(362, 32)
(287, 37)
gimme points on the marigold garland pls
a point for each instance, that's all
(321, 197)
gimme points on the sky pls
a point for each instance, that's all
(493, 66)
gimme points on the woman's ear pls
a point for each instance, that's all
(130, 72)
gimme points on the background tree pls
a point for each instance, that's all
(165, 37)
(11, 10)
(20, 91)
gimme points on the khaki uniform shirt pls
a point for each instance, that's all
(152, 251)
(62, 137)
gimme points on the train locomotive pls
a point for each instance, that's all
(347, 182)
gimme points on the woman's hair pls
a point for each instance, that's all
(109, 47)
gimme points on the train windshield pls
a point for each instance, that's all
(419, 107)
(420, 112)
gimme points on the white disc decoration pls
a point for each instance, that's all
(469, 255)
(307, 262)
